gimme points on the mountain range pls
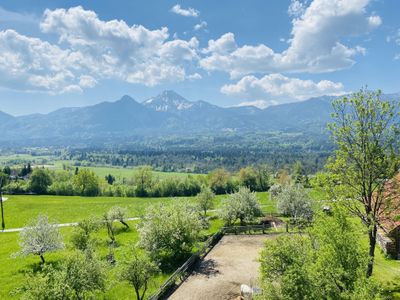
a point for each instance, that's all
(165, 114)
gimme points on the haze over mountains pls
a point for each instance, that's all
(166, 114)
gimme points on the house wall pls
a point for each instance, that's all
(388, 245)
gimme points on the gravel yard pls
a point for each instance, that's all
(232, 262)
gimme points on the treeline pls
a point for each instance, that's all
(144, 182)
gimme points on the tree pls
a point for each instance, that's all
(326, 263)
(169, 232)
(299, 174)
(110, 179)
(143, 180)
(293, 201)
(205, 199)
(248, 178)
(3, 181)
(220, 181)
(138, 270)
(263, 175)
(40, 237)
(83, 274)
(86, 183)
(78, 277)
(242, 205)
(40, 180)
(81, 237)
(365, 131)
(117, 213)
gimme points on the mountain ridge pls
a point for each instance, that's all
(167, 114)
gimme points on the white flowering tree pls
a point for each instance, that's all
(294, 202)
(40, 237)
(169, 232)
(242, 205)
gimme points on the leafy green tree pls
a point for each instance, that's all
(366, 135)
(40, 237)
(293, 201)
(81, 237)
(86, 183)
(7, 170)
(143, 180)
(83, 274)
(248, 178)
(138, 270)
(117, 213)
(327, 263)
(263, 175)
(80, 276)
(205, 200)
(242, 205)
(169, 232)
(39, 181)
(110, 179)
(220, 181)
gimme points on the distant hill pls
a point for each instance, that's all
(165, 114)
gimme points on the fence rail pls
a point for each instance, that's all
(180, 274)
(183, 271)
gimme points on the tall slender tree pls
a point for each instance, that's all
(365, 131)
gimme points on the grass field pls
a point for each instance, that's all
(19, 210)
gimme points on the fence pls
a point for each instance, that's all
(182, 272)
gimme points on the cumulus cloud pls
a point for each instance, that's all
(90, 49)
(296, 8)
(201, 25)
(276, 88)
(315, 45)
(189, 12)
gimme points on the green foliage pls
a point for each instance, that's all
(366, 136)
(40, 237)
(327, 263)
(169, 232)
(293, 201)
(220, 181)
(205, 200)
(81, 236)
(248, 178)
(144, 181)
(86, 183)
(78, 277)
(242, 205)
(138, 270)
(39, 181)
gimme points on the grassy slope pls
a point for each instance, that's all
(20, 209)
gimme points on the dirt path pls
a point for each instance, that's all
(232, 262)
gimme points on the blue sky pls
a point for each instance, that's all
(228, 52)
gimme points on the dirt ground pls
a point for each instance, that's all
(232, 262)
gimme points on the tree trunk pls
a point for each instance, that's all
(372, 243)
(137, 294)
(42, 258)
(123, 222)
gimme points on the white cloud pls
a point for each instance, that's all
(277, 88)
(257, 103)
(89, 50)
(397, 56)
(201, 25)
(189, 12)
(195, 76)
(296, 8)
(315, 45)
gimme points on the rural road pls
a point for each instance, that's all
(76, 223)
(64, 225)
